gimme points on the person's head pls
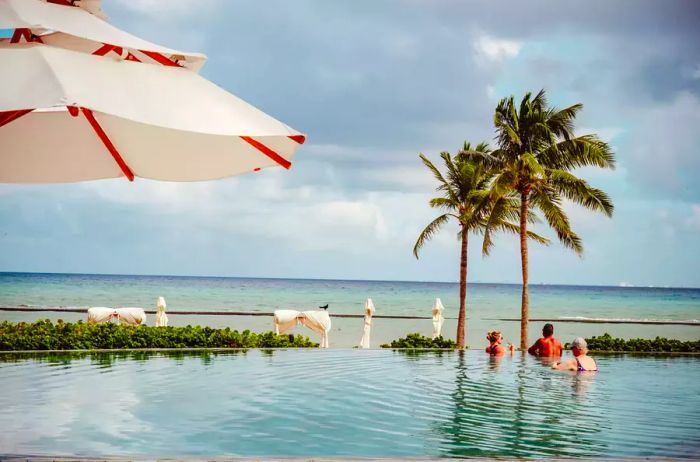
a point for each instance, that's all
(579, 346)
(548, 330)
(494, 336)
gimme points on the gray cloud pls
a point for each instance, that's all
(373, 84)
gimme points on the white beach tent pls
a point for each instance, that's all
(128, 108)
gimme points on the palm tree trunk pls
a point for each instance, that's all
(524, 303)
(462, 320)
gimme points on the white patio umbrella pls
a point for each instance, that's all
(438, 318)
(367, 326)
(83, 29)
(70, 115)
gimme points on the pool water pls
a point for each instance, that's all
(345, 403)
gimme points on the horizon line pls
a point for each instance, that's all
(352, 280)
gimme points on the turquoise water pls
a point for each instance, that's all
(397, 298)
(346, 403)
(485, 303)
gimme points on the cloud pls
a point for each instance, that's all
(662, 157)
(692, 222)
(169, 10)
(494, 50)
(373, 84)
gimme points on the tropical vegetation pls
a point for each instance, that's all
(46, 335)
(537, 152)
(606, 342)
(417, 341)
(465, 197)
(531, 169)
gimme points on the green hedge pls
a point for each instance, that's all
(606, 342)
(45, 335)
(415, 340)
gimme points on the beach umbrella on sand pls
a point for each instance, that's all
(367, 327)
(83, 100)
(438, 318)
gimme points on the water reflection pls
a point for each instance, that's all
(110, 358)
(517, 408)
(378, 403)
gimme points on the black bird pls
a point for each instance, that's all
(324, 307)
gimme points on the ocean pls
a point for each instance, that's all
(487, 304)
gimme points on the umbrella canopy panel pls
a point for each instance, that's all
(155, 122)
(75, 28)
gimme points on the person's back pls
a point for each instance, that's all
(547, 345)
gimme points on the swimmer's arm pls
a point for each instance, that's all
(569, 365)
(534, 349)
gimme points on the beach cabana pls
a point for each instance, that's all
(318, 321)
(82, 100)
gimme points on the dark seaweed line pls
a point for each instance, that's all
(604, 321)
(203, 313)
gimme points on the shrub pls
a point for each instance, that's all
(606, 342)
(416, 341)
(45, 335)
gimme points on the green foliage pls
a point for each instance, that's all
(464, 188)
(537, 152)
(45, 335)
(606, 342)
(417, 341)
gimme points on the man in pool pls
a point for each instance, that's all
(546, 346)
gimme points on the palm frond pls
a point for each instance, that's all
(580, 192)
(444, 202)
(436, 173)
(549, 203)
(580, 151)
(429, 231)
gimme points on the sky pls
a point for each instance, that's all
(373, 84)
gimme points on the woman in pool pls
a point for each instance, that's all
(581, 361)
(495, 348)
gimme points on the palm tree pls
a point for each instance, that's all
(466, 198)
(537, 150)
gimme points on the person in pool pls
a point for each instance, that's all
(546, 346)
(495, 348)
(581, 361)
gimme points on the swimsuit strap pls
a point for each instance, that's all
(580, 368)
(494, 349)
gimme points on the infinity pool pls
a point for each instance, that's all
(345, 403)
